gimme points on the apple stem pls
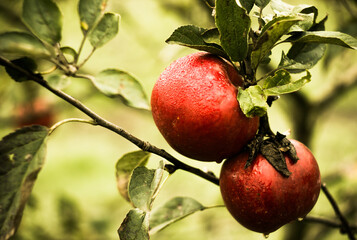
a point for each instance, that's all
(272, 146)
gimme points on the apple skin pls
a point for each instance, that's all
(261, 199)
(194, 105)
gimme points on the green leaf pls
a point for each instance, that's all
(281, 8)
(21, 44)
(143, 185)
(270, 35)
(125, 167)
(105, 30)
(281, 77)
(174, 210)
(262, 3)
(247, 4)
(58, 80)
(307, 13)
(307, 9)
(233, 23)
(117, 83)
(302, 58)
(194, 37)
(327, 37)
(26, 64)
(281, 83)
(305, 24)
(44, 19)
(252, 101)
(22, 155)
(135, 226)
(89, 12)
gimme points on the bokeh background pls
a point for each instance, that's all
(75, 196)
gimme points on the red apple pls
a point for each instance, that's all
(194, 105)
(263, 200)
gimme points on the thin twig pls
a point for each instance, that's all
(80, 47)
(145, 146)
(329, 223)
(344, 223)
(87, 58)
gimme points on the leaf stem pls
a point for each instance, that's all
(160, 187)
(80, 47)
(56, 125)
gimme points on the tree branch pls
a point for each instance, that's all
(344, 223)
(145, 146)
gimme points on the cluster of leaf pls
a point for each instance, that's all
(44, 20)
(22, 152)
(247, 48)
(139, 186)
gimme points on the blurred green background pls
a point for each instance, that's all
(75, 196)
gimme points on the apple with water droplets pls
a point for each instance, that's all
(195, 107)
(263, 200)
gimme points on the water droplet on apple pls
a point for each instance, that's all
(266, 235)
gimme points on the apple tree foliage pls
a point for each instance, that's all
(22, 152)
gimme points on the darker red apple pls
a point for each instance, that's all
(194, 105)
(263, 200)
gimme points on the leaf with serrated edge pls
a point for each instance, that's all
(143, 185)
(252, 101)
(275, 86)
(172, 211)
(44, 19)
(125, 167)
(89, 11)
(135, 226)
(22, 155)
(271, 33)
(105, 30)
(117, 83)
(194, 37)
(20, 44)
(233, 24)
